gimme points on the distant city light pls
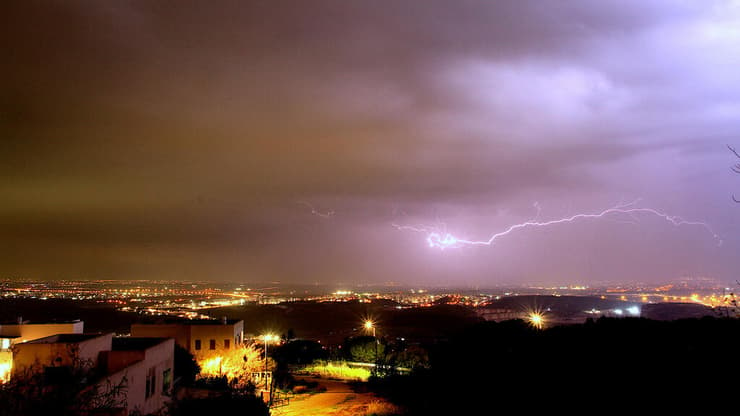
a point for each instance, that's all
(633, 310)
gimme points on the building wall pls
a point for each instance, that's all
(31, 331)
(179, 332)
(114, 361)
(157, 360)
(143, 371)
(218, 334)
(90, 349)
(188, 336)
(34, 357)
(30, 358)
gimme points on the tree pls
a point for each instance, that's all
(186, 368)
(412, 357)
(289, 336)
(65, 390)
(299, 352)
(365, 349)
(729, 306)
(735, 168)
(236, 364)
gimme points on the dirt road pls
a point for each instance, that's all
(337, 400)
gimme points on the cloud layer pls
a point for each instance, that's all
(175, 139)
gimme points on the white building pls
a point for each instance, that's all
(21, 331)
(143, 365)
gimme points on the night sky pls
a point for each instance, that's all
(211, 139)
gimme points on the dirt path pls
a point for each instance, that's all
(338, 399)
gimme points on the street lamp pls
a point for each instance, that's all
(536, 320)
(368, 326)
(266, 338)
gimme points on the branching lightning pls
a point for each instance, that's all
(314, 211)
(438, 237)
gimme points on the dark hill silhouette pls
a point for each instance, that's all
(672, 311)
(614, 364)
(560, 304)
(332, 322)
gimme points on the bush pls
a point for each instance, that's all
(364, 349)
(381, 408)
(339, 371)
(186, 368)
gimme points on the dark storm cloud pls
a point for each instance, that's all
(162, 138)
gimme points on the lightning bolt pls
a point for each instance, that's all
(438, 237)
(314, 211)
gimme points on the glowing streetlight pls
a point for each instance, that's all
(370, 325)
(536, 320)
(267, 338)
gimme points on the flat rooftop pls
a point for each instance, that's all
(194, 322)
(52, 322)
(64, 338)
(136, 343)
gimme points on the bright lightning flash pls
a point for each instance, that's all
(435, 237)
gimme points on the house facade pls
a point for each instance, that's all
(142, 366)
(12, 333)
(203, 338)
